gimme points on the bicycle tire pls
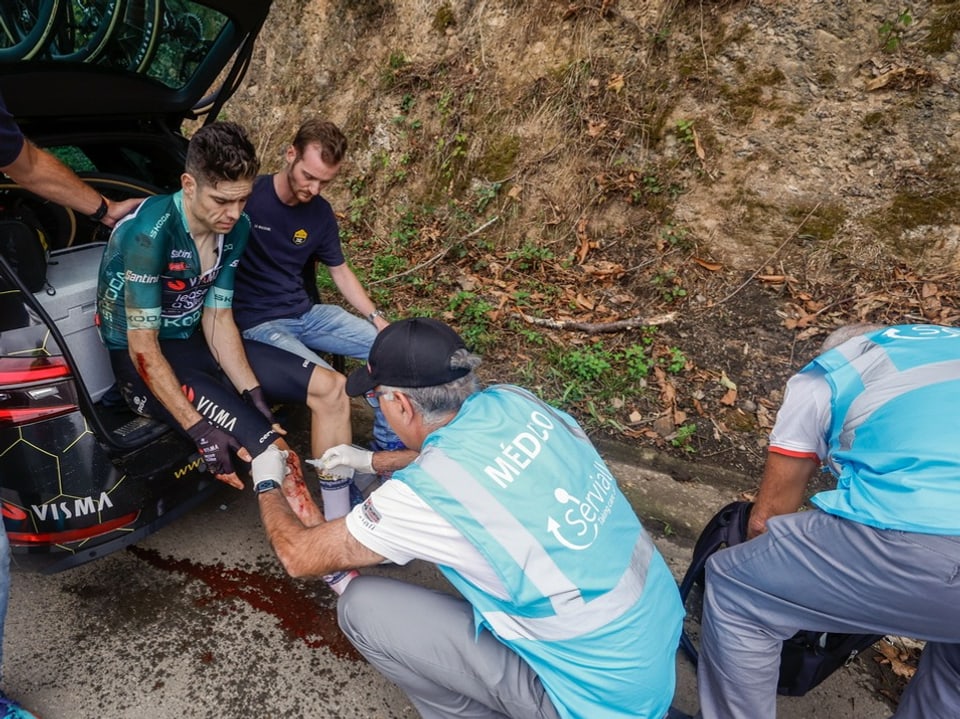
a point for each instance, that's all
(134, 39)
(96, 41)
(120, 184)
(27, 42)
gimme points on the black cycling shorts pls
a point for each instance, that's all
(284, 377)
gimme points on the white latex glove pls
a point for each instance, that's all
(348, 455)
(269, 464)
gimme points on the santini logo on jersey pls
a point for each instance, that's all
(138, 277)
(299, 237)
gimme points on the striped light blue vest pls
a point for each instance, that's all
(590, 603)
(894, 439)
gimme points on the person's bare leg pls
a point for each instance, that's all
(329, 411)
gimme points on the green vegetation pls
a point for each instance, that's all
(685, 132)
(472, 314)
(912, 208)
(669, 285)
(530, 256)
(821, 222)
(683, 437)
(891, 31)
(499, 158)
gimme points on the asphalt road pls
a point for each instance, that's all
(199, 620)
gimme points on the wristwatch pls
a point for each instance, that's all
(101, 211)
(373, 315)
(265, 485)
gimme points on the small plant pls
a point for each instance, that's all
(588, 364)
(891, 31)
(647, 335)
(669, 285)
(473, 313)
(486, 194)
(675, 361)
(356, 185)
(406, 230)
(452, 153)
(638, 362)
(386, 264)
(685, 132)
(676, 237)
(530, 255)
(358, 206)
(682, 438)
(652, 184)
(397, 60)
(443, 103)
(521, 298)
(532, 336)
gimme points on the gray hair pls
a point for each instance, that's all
(435, 403)
(848, 332)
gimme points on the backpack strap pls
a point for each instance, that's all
(726, 528)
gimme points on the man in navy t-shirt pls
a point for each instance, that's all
(294, 228)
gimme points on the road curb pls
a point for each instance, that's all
(671, 496)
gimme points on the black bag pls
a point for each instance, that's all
(24, 247)
(808, 657)
(23, 244)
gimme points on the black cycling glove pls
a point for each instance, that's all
(214, 445)
(258, 399)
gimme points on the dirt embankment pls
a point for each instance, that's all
(762, 170)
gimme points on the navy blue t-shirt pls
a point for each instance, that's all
(283, 240)
(11, 139)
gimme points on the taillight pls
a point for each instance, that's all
(33, 388)
(71, 535)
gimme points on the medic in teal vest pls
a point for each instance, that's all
(591, 605)
(892, 473)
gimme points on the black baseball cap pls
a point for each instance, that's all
(409, 353)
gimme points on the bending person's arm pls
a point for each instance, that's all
(306, 545)
(159, 377)
(797, 445)
(42, 173)
(784, 483)
(353, 292)
(226, 346)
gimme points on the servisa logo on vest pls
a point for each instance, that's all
(921, 332)
(580, 517)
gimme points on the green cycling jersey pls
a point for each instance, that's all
(150, 274)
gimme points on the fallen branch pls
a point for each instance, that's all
(597, 327)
